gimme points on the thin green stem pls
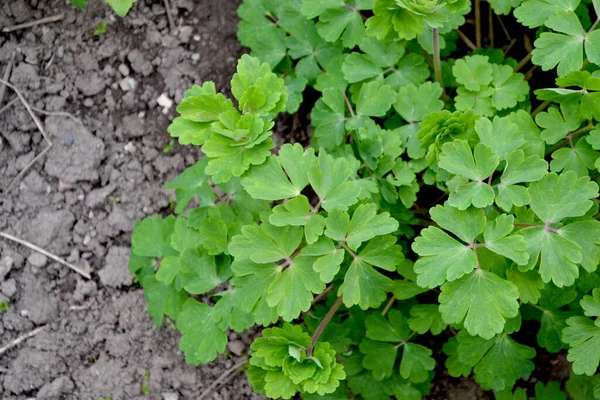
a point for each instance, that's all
(437, 61)
(349, 105)
(540, 108)
(594, 26)
(323, 324)
(388, 305)
(478, 38)
(523, 62)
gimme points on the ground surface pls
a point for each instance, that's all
(81, 200)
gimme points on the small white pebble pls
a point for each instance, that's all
(165, 102)
(195, 57)
(197, 38)
(24, 313)
(124, 70)
(129, 147)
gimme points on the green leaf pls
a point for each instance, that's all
(428, 93)
(393, 329)
(364, 225)
(466, 224)
(257, 89)
(374, 99)
(583, 337)
(426, 317)
(252, 284)
(519, 169)
(482, 301)
(503, 7)
(441, 258)
(556, 125)
(201, 338)
(152, 237)
(190, 183)
(591, 305)
(473, 72)
(282, 176)
(416, 362)
(564, 49)
(379, 358)
(457, 158)
(486, 355)
(497, 239)
(120, 7)
(558, 255)
(579, 158)
(509, 88)
(197, 271)
(328, 117)
(556, 197)
(364, 286)
(79, 3)
(294, 212)
(265, 243)
(291, 291)
(331, 178)
(339, 20)
(587, 235)
(533, 13)
(162, 299)
(455, 367)
(551, 391)
(501, 135)
(529, 284)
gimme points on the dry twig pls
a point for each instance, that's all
(169, 16)
(79, 270)
(7, 72)
(54, 18)
(21, 338)
(39, 125)
(222, 379)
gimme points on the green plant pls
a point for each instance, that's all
(4, 306)
(101, 28)
(145, 388)
(120, 7)
(431, 203)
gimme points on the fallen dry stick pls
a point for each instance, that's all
(54, 18)
(222, 379)
(32, 246)
(21, 338)
(6, 77)
(38, 123)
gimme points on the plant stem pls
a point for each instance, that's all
(388, 305)
(491, 27)
(523, 62)
(349, 105)
(478, 23)
(437, 61)
(324, 323)
(540, 108)
(466, 39)
(595, 25)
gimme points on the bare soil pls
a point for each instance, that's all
(80, 201)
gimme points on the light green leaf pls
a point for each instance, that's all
(583, 337)
(482, 301)
(473, 72)
(121, 7)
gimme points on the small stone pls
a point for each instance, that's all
(9, 287)
(89, 103)
(115, 272)
(129, 147)
(90, 84)
(165, 102)
(170, 396)
(197, 38)
(184, 33)
(86, 240)
(237, 347)
(139, 63)
(97, 196)
(124, 70)
(132, 126)
(6, 265)
(37, 260)
(195, 57)
(124, 85)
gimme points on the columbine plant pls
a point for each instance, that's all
(361, 277)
